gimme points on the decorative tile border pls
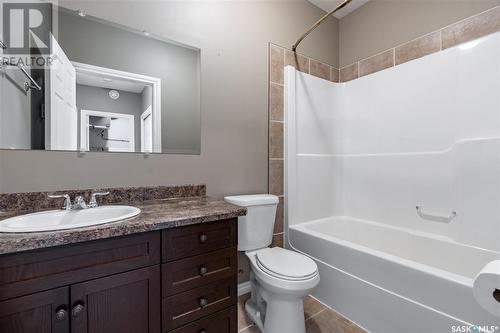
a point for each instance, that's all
(33, 201)
(279, 57)
(463, 31)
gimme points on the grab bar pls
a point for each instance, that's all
(437, 218)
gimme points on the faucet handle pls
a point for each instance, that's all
(93, 201)
(67, 200)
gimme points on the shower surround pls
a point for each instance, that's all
(361, 156)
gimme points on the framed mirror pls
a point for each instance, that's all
(103, 87)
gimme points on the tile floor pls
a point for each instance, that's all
(319, 319)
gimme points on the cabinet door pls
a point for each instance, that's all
(43, 312)
(121, 303)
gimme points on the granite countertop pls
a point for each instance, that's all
(155, 215)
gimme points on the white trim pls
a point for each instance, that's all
(244, 288)
(154, 82)
(84, 126)
(144, 115)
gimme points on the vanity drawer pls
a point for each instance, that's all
(192, 272)
(25, 273)
(224, 321)
(192, 240)
(183, 308)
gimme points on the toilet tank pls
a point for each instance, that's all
(255, 230)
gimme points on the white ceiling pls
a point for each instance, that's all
(101, 82)
(329, 5)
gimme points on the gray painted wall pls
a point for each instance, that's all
(97, 99)
(233, 37)
(91, 42)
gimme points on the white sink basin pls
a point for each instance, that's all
(67, 219)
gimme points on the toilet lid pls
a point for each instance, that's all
(286, 264)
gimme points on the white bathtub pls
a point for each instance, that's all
(390, 279)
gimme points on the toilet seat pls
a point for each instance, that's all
(285, 264)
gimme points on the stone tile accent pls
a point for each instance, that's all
(334, 74)
(278, 58)
(349, 73)
(275, 102)
(278, 222)
(276, 177)
(276, 66)
(277, 240)
(319, 69)
(471, 28)
(463, 31)
(418, 48)
(376, 63)
(296, 60)
(275, 139)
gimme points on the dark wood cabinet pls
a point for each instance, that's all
(43, 312)
(224, 321)
(124, 303)
(184, 274)
(119, 285)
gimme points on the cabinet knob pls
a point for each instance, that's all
(61, 315)
(203, 302)
(202, 331)
(203, 270)
(77, 310)
(203, 238)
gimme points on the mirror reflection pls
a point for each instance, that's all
(108, 88)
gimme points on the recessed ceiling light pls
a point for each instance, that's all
(81, 13)
(146, 33)
(113, 94)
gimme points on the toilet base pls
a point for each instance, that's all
(275, 314)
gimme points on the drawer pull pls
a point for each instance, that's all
(77, 310)
(61, 315)
(203, 302)
(203, 238)
(203, 270)
(202, 331)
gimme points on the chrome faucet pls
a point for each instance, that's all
(93, 201)
(67, 200)
(79, 202)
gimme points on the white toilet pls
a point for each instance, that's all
(280, 278)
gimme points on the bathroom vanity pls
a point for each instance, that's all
(173, 268)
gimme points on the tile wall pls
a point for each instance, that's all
(280, 57)
(471, 28)
(460, 32)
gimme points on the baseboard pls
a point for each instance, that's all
(243, 288)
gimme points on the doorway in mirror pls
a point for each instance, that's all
(118, 111)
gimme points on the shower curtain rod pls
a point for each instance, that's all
(315, 25)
